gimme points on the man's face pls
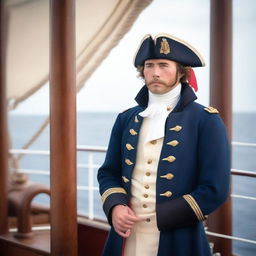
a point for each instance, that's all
(161, 75)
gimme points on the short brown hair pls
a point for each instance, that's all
(183, 70)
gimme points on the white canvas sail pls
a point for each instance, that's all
(100, 25)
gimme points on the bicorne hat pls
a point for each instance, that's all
(165, 46)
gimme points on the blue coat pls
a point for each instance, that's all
(194, 166)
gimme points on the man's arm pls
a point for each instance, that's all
(109, 174)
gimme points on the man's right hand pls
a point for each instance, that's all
(123, 219)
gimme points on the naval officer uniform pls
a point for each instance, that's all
(173, 181)
(144, 238)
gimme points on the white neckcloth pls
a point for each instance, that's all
(159, 107)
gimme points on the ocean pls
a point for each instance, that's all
(93, 129)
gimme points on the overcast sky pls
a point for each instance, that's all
(114, 84)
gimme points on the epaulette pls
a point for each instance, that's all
(211, 110)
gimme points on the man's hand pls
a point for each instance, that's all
(123, 219)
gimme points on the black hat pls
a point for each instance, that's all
(165, 46)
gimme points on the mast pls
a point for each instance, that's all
(63, 128)
(3, 127)
(221, 98)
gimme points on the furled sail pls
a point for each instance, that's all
(100, 25)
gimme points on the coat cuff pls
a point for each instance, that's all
(112, 197)
(178, 213)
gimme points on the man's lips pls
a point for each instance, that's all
(156, 82)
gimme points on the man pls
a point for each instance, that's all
(167, 165)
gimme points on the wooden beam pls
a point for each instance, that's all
(3, 127)
(221, 98)
(63, 128)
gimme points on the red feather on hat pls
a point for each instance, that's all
(192, 80)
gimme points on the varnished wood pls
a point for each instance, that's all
(91, 238)
(63, 128)
(3, 127)
(221, 98)
(38, 245)
(24, 216)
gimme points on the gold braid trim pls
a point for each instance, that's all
(193, 204)
(110, 191)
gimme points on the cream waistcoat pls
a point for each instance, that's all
(144, 237)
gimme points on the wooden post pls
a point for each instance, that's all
(3, 127)
(63, 128)
(221, 98)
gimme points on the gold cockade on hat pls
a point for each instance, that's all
(165, 47)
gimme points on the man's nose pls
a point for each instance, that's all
(155, 72)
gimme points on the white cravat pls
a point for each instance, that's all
(159, 107)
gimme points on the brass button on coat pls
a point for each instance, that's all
(146, 186)
(170, 159)
(144, 206)
(167, 194)
(132, 132)
(173, 143)
(153, 142)
(148, 173)
(168, 108)
(147, 219)
(129, 146)
(149, 161)
(125, 179)
(128, 161)
(145, 195)
(167, 176)
(176, 128)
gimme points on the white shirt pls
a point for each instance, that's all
(159, 107)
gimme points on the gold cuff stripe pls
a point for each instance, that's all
(110, 191)
(193, 204)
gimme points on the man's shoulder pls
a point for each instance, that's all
(195, 106)
(131, 111)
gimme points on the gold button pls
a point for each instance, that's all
(132, 132)
(146, 195)
(168, 108)
(146, 186)
(136, 120)
(129, 147)
(149, 161)
(170, 159)
(128, 161)
(173, 143)
(144, 206)
(148, 173)
(167, 176)
(147, 219)
(176, 128)
(153, 142)
(167, 194)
